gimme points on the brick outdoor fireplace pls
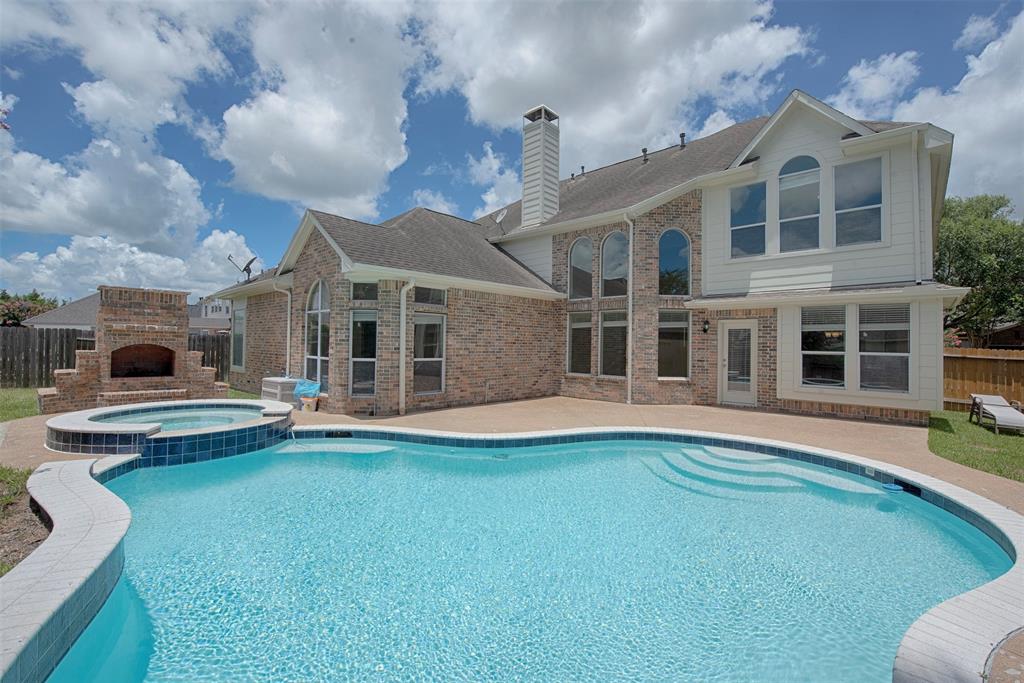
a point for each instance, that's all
(141, 355)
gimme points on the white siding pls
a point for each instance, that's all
(534, 253)
(925, 362)
(892, 260)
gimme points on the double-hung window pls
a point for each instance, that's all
(613, 343)
(238, 335)
(428, 354)
(747, 220)
(885, 347)
(799, 205)
(858, 202)
(823, 346)
(579, 343)
(673, 344)
(363, 356)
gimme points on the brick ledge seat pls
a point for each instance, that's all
(117, 398)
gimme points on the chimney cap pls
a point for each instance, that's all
(539, 112)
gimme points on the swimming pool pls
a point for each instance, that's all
(606, 560)
(177, 419)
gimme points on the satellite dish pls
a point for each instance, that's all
(501, 216)
(246, 269)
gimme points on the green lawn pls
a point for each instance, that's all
(15, 403)
(951, 436)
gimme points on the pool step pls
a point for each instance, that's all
(737, 462)
(685, 465)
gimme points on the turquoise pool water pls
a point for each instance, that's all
(176, 419)
(368, 560)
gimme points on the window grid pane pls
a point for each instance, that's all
(823, 346)
(673, 344)
(581, 263)
(613, 343)
(674, 264)
(615, 265)
(579, 343)
(884, 347)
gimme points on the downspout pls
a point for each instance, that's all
(629, 314)
(916, 174)
(288, 332)
(402, 315)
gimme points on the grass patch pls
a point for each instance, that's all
(238, 393)
(952, 437)
(15, 403)
(12, 485)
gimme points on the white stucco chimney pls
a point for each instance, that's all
(540, 165)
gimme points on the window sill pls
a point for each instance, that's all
(808, 252)
(683, 380)
(235, 368)
(612, 378)
(428, 393)
(578, 375)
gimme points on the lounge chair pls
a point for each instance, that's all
(995, 408)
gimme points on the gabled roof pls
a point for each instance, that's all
(619, 186)
(78, 313)
(425, 241)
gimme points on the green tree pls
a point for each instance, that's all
(16, 308)
(981, 246)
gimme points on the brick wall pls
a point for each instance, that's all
(266, 318)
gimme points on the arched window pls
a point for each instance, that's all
(674, 263)
(581, 269)
(615, 265)
(318, 334)
(799, 205)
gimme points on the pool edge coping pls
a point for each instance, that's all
(951, 642)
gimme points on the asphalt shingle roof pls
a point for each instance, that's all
(625, 183)
(428, 242)
(78, 312)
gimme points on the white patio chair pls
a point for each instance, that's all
(995, 408)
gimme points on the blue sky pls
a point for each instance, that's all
(147, 142)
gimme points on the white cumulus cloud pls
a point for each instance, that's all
(716, 121)
(978, 31)
(872, 88)
(501, 180)
(432, 199)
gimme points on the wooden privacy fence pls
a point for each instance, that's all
(982, 371)
(28, 356)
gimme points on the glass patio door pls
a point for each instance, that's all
(737, 381)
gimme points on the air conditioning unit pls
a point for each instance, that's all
(281, 389)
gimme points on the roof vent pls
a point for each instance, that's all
(644, 150)
(583, 171)
(682, 140)
(540, 165)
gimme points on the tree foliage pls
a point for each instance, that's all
(981, 246)
(16, 308)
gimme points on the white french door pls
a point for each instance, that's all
(737, 366)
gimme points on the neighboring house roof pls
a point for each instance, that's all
(78, 313)
(426, 241)
(620, 185)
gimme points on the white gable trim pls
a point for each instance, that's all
(800, 97)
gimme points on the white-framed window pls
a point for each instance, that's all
(581, 269)
(673, 344)
(614, 330)
(429, 295)
(884, 347)
(799, 204)
(747, 206)
(363, 353)
(428, 353)
(238, 336)
(674, 263)
(364, 291)
(823, 346)
(615, 264)
(318, 334)
(858, 202)
(580, 332)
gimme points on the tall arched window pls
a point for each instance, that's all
(799, 205)
(581, 269)
(318, 334)
(615, 265)
(674, 263)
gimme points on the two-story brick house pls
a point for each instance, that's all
(783, 263)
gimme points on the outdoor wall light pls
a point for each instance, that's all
(707, 326)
